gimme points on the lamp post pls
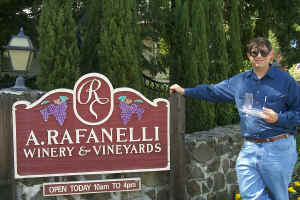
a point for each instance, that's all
(20, 51)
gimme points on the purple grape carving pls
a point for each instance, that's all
(127, 110)
(57, 110)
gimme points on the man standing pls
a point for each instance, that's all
(268, 101)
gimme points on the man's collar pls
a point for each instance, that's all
(249, 73)
(270, 73)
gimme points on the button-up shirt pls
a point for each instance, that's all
(277, 90)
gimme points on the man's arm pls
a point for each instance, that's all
(221, 92)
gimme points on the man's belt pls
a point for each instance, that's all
(272, 139)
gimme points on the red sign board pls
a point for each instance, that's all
(85, 187)
(91, 129)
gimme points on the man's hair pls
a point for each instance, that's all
(258, 43)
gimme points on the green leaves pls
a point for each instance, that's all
(59, 53)
(119, 44)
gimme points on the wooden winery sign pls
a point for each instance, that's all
(92, 129)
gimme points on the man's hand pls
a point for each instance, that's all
(271, 115)
(176, 88)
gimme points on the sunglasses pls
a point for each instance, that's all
(263, 53)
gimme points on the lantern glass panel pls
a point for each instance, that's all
(19, 59)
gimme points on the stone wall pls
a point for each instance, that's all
(210, 163)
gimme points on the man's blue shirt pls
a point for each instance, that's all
(277, 90)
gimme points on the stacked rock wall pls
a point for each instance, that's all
(210, 163)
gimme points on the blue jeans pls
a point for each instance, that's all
(266, 165)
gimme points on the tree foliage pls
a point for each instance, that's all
(197, 70)
(120, 43)
(58, 54)
(178, 39)
(235, 39)
(219, 56)
(198, 41)
(89, 38)
(153, 19)
(15, 14)
(286, 27)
